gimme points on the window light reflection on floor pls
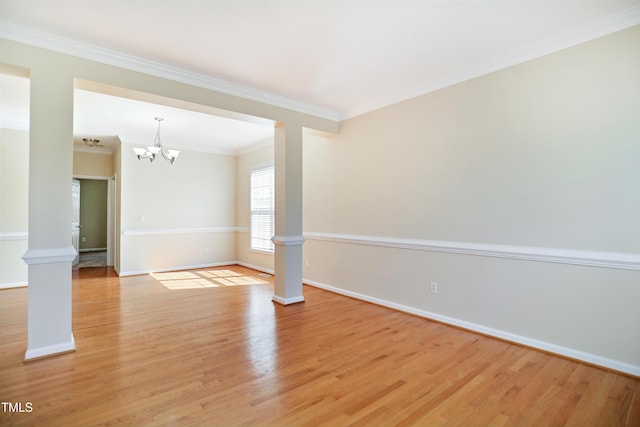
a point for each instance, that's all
(205, 279)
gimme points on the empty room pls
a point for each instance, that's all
(290, 213)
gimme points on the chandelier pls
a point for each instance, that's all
(151, 152)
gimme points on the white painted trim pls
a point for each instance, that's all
(93, 177)
(14, 285)
(242, 229)
(618, 260)
(93, 150)
(262, 252)
(288, 240)
(594, 359)
(593, 30)
(50, 350)
(607, 25)
(175, 268)
(199, 149)
(20, 235)
(260, 166)
(192, 230)
(256, 267)
(255, 147)
(22, 34)
(49, 255)
(111, 181)
(92, 250)
(287, 301)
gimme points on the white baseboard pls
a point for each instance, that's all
(50, 350)
(287, 301)
(255, 267)
(593, 359)
(13, 285)
(175, 268)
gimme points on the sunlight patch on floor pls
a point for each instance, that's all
(205, 279)
(175, 275)
(188, 284)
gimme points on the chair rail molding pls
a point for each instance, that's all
(617, 260)
(183, 230)
(18, 235)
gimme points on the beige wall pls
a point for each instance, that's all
(244, 163)
(176, 216)
(540, 155)
(93, 214)
(14, 206)
(540, 158)
(92, 164)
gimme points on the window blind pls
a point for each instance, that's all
(262, 209)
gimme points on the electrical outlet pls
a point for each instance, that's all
(307, 262)
(434, 288)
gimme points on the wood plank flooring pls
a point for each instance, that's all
(209, 348)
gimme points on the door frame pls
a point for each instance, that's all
(111, 212)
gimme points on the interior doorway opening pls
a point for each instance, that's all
(92, 234)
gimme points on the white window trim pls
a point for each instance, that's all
(256, 167)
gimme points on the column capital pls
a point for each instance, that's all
(288, 240)
(49, 255)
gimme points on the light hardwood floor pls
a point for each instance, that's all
(208, 347)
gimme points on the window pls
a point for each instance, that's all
(262, 208)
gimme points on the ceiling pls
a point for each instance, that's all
(335, 59)
(112, 119)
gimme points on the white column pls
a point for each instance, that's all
(50, 251)
(288, 239)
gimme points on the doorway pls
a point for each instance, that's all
(92, 231)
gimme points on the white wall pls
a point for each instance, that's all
(540, 161)
(14, 206)
(188, 211)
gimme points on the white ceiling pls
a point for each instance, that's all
(336, 59)
(112, 119)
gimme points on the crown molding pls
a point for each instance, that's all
(599, 28)
(593, 30)
(255, 147)
(30, 36)
(205, 149)
(193, 148)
